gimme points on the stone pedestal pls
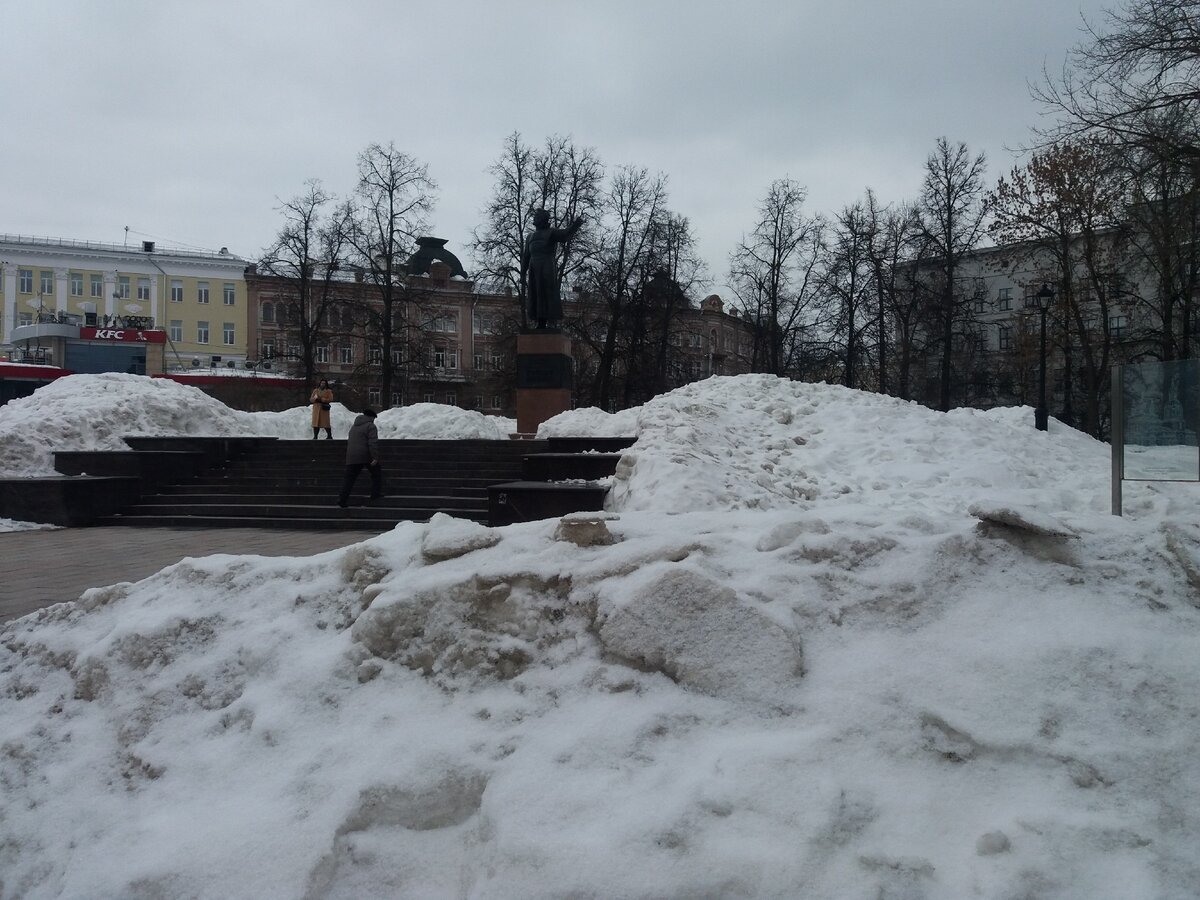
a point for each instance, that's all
(544, 378)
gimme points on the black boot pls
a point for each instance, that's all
(316, 431)
(329, 434)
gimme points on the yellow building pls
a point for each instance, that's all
(91, 307)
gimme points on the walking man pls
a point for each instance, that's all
(362, 451)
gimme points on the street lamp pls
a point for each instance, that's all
(1041, 416)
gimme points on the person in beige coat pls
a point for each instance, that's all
(321, 398)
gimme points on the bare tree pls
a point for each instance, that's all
(1121, 79)
(846, 281)
(560, 177)
(668, 273)
(496, 244)
(632, 208)
(392, 200)
(307, 253)
(952, 212)
(569, 180)
(1163, 213)
(893, 233)
(773, 273)
(1061, 211)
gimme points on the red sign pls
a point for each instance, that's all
(130, 335)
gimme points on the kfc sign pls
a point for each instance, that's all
(129, 335)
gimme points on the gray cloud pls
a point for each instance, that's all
(187, 121)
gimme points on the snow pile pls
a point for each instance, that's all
(96, 412)
(438, 421)
(760, 442)
(905, 672)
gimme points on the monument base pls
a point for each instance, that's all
(544, 378)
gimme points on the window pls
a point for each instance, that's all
(375, 356)
(123, 287)
(497, 401)
(229, 294)
(373, 396)
(485, 323)
(227, 333)
(439, 357)
(451, 398)
(267, 312)
(477, 362)
(346, 356)
(497, 360)
(175, 333)
(176, 290)
(143, 289)
(322, 354)
(1004, 298)
(447, 323)
(398, 357)
(25, 279)
(76, 284)
(47, 281)
(1030, 295)
(201, 332)
(428, 396)
(201, 291)
(24, 318)
(1004, 337)
(268, 350)
(477, 403)
(397, 399)
(1118, 326)
(97, 286)
(977, 304)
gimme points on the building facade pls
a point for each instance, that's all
(93, 307)
(85, 307)
(455, 344)
(1098, 317)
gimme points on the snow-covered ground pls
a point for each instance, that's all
(825, 644)
(96, 412)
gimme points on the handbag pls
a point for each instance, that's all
(326, 406)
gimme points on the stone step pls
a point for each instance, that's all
(358, 510)
(415, 487)
(348, 522)
(264, 501)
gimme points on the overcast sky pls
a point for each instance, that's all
(187, 122)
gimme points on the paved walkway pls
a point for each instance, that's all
(39, 568)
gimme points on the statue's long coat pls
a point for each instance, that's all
(541, 272)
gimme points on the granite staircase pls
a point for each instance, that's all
(214, 482)
(295, 485)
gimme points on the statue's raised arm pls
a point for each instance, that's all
(540, 271)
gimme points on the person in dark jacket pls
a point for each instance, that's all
(362, 451)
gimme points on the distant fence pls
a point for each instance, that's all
(1155, 421)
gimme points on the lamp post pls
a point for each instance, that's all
(1041, 415)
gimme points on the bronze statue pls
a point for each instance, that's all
(539, 271)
